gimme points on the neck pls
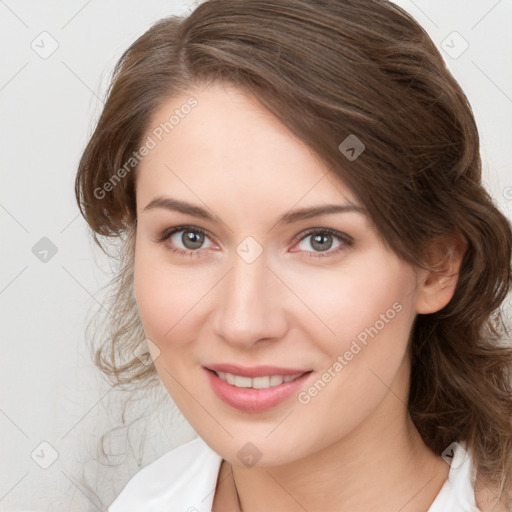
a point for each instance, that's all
(384, 466)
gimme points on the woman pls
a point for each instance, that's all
(311, 259)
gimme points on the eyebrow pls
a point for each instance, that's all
(169, 203)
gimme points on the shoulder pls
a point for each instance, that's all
(184, 477)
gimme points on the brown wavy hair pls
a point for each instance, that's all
(327, 69)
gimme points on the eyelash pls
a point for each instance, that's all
(345, 240)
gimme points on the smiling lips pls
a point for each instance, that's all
(254, 389)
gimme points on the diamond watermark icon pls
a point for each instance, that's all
(454, 45)
(454, 455)
(249, 249)
(351, 147)
(44, 455)
(44, 45)
(249, 455)
(44, 250)
(146, 352)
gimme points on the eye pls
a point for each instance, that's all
(322, 240)
(185, 240)
(189, 241)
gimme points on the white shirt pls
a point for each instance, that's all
(184, 480)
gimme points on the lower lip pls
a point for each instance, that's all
(254, 400)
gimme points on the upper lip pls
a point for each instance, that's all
(254, 371)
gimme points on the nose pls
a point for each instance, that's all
(250, 307)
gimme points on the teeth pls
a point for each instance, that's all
(264, 382)
(243, 382)
(256, 382)
(275, 380)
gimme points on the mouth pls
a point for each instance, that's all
(255, 389)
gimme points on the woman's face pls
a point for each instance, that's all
(233, 274)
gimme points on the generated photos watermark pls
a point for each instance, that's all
(151, 142)
(356, 346)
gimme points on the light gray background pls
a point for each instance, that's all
(50, 390)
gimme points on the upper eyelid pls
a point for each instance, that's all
(330, 231)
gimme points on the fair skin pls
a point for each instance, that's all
(353, 445)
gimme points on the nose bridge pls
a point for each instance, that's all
(248, 308)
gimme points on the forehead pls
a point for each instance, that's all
(230, 149)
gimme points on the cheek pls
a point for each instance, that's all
(168, 297)
(370, 298)
(151, 297)
(370, 313)
(159, 293)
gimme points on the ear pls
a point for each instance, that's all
(437, 285)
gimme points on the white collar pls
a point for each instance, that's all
(185, 479)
